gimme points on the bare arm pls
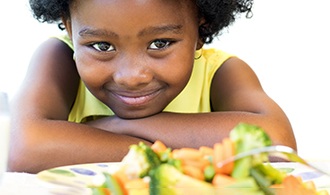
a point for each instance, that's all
(236, 96)
(42, 137)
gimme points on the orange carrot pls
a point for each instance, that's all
(228, 150)
(206, 151)
(122, 178)
(221, 180)
(222, 151)
(229, 147)
(158, 147)
(193, 172)
(101, 190)
(218, 156)
(136, 184)
(198, 163)
(294, 185)
(106, 191)
(187, 153)
(276, 186)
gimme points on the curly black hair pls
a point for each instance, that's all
(218, 14)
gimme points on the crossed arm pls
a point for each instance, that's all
(43, 138)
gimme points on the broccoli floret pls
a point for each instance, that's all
(168, 180)
(247, 137)
(139, 160)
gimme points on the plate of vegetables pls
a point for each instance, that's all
(158, 170)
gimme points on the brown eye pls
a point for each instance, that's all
(159, 44)
(103, 47)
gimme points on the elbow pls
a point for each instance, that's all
(23, 157)
(18, 159)
(23, 162)
(283, 134)
(15, 163)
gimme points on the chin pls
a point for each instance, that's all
(135, 114)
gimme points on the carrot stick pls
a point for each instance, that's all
(136, 184)
(206, 151)
(158, 147)
(193, 172)
(200, 164)
(187, 153)
(221, 180)
(294, 185)
(218, 156)
(228, 150)
(122, 178)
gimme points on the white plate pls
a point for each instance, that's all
(76, 179)
(320, 180)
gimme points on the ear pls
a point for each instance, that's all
(200, 42)
(68, 26)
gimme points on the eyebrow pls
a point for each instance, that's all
(96, 32)
(176, 29)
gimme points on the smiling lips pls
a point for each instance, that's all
(137, 100)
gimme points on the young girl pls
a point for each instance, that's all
(131, 71)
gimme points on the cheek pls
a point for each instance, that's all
(179, 70)
(90, 71)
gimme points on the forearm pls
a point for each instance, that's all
(42, 144)
(203, 129)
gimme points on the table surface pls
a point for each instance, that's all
(23, 184)
(14, 183)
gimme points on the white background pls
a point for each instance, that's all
(287, 43)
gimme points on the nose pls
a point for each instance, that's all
(132, 72)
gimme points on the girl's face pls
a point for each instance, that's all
(136, 56)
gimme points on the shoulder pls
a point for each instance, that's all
(65, 39)
(214, 52)
(212, 57)
(211, 54)
(52, 49)
(209, 60)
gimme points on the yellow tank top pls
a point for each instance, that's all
(195, 97)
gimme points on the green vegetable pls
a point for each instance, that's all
(140, 160)
(246, 186)
(99, 191)
(275, 175)
(165, 155)
(175, 162)
(253, 176)
(262, 180)
(247, 137)
(167, 180)
(209, 173)
(265, 176)
(110, 184)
